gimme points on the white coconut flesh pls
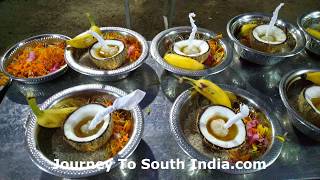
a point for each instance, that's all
(191, 48)
(80, 114)
(276, 35)
(113, 48)
(217, 127)
(310, 93)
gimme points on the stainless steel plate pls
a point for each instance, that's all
(180, 109)
(14, 50)
(304, 21)
(39, 147)
(158, 49)
(79, 60)
(259, 57)
(4, 89)
(290, 86)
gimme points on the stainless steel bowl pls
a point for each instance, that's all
(158, 49)
(304, 21)
(180, 109)
(43, 159)
(79, 60)
(285, 89)
(259, 57)
(17, 48)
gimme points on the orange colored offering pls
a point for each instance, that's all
(3, 79)
(123, 126)
(121, 131)
(38, 61)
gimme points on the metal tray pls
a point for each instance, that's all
(79, 60)
(304, 21)
(158, 49)
(298, 158)
(259, 57)
(297, 120)
(180, 109)
(38, 147)
(14, 50)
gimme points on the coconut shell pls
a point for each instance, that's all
(204, 140)
(94, 144)
(307, 111)
(265, 47)
(208, 144)
(110, 63)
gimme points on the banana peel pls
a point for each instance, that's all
(231, 96)
(246, 29)
(49, 118)
(85, 40)
(183, 62)
(313, 77)
(209, 90)
(313, 32)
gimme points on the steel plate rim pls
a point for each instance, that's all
(299, 22)
(282, 86)
(39, 79)
(214, 70)
(47, 165)
(108, 73)
(293, 52)
(270, 155)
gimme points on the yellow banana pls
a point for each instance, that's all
(246, 28)
(313, 77)
(313, 32)
(85, 40)
(209, 90)
(50, 118)
(232, 97)
(183, 62)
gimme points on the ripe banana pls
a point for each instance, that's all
(209, 90)
(183, 62)
(313, 77)
(246, 29)
(313, 32)
(49, 118)
(85, 40)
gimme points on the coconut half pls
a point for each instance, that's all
(211, 127)
(108, 58)
(115, 47)
(195, 49)
(307, 109)
(275, 37)
(310, 93)
(76, 123)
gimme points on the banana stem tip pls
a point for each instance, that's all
(92, 23)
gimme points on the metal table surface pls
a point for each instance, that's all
(299, 158)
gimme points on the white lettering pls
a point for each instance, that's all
(155, 165)
(108, 166)
(64, 163)
(122, 163)
(131, 165)
(216, 163)
(212, 164)
(194, 164)
(100, 165)
(145, 164)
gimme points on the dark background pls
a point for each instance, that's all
(20, 19)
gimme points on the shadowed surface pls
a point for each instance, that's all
(21, 19)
